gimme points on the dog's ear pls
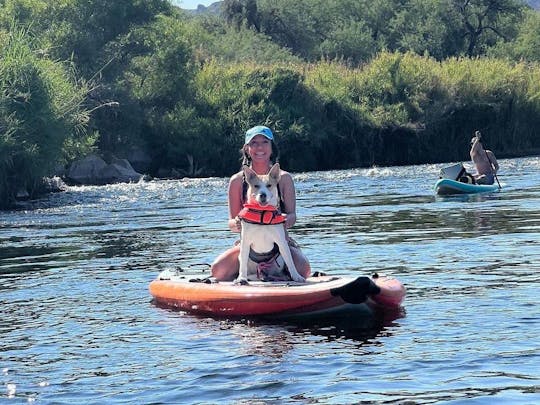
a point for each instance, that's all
(249, 173)
(275, 172)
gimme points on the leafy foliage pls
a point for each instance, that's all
(342, 82)
(41, 114)
(355, 30)
(526, 45)
(226, 44)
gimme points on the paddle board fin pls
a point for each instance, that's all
(356, 291)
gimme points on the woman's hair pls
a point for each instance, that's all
(246, 159)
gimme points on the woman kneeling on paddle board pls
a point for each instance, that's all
(260, 153)
(484, 160)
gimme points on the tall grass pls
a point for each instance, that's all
(41, 111)
(399, 108)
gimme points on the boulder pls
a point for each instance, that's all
(85, 170)
(93, 170)
(118, 171)
(53, 185)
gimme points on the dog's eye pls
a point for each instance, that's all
(269, 185)
(257, 186)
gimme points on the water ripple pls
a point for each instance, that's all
(78, 325)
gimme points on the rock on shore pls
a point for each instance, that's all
(93, 170)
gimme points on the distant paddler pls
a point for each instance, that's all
(485, 162)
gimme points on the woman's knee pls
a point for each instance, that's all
(301, 262)
(223, 272)
(225, 267)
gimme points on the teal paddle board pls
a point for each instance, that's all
(448, 187)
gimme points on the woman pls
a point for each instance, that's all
(484, 160)
(260, 153)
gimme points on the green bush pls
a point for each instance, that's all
(42, 116)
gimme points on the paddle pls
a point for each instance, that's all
(479, 136)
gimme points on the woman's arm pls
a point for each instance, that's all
(235, 201)
(288, 196)
(476, 147)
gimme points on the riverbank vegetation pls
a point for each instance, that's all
(343, 83)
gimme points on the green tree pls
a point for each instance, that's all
(94, 36)
(526, 45)
(426, 27)
(483, 22)
(233, 11)
(79, 29)
(252, 15)
(299, 26)
(353, 41)
(84, 27)
(160, 77)
(227, 44)
(42, 115)
(241, 13)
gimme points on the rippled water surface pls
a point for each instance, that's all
(78, 324)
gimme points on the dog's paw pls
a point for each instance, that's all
(241, 281)
(299, 279)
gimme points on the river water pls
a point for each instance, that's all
(78, 325)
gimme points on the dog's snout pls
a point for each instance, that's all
(262, 197)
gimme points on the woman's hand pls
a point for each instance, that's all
(290, 220)
(235, 224)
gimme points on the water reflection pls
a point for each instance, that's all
(395, 226)
(275, 336)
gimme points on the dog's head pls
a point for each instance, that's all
(263, 189)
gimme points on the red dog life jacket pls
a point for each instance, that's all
(254, 213)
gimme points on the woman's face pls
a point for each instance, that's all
(259, 149)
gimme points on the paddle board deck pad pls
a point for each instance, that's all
(448, 187)
(322, 295)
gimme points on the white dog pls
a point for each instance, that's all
(262, 226)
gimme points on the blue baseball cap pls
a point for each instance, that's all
(258, 130)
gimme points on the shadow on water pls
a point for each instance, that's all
(479, 197)
(23, 259)
(361, 324)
